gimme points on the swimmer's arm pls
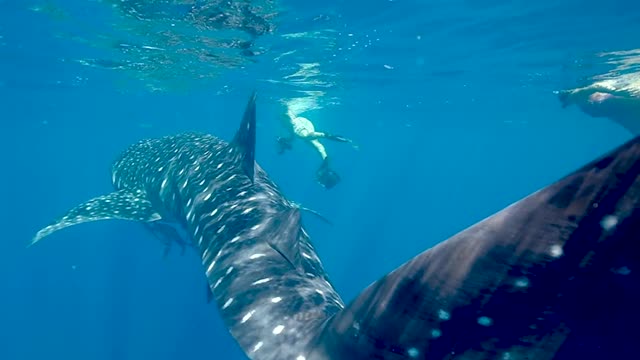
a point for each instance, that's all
(320, 148)
(322, 135)
(578, 95)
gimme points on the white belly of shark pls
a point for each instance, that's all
(504, 288)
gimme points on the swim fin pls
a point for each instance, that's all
(327, 177)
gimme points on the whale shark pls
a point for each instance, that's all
(554, 275)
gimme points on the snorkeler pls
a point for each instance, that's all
(297, 126)
(616, 99)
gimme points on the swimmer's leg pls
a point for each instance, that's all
(323, 135)
(325, 176)
(319, 148)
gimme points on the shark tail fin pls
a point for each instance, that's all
(551, 276)
(245, 139)
(122, 204)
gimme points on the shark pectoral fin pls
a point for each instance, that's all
(121, 204)
(311, 211)
(245, 139)
(167, 234)
(284, 237)
(550, 273)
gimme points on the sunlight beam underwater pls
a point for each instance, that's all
(553, 276)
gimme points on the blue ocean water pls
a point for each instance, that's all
(450, 102)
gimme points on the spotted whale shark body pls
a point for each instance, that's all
(553, 276)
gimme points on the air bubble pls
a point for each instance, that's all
(556, 251)
(609, 222)
(522, 282)
(485, 321)
(444, 315)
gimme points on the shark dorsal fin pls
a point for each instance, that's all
(284, 239)
(245, 139)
